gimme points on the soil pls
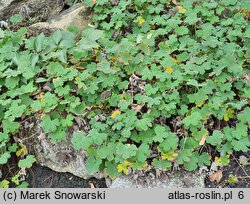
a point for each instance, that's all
(239, 171)
(43, 177)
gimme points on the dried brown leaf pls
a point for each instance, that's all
(203, 139)
(217, 176)
(92, 185)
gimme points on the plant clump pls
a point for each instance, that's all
(160, 83)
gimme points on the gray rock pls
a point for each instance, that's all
(176, 179)
(4, 4)
(33, 10)
(59, 156)
(78, 15)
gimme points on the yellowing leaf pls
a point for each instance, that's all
(4, 184)
(122, 168)
(115, 113)
(175, 60)
(181, 9)
(22, 151)
(217, 160)
(141, 20)
(174, 1)
(232, 179)
(77, 67)
(127, 163)
(170, 156)
(169, 70)
(153, 27)
(201, 103)
(40, 96)
(56, 79)
(78, 79)
(229, 114)
(246, 13)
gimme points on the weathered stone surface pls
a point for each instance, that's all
(78, 15)
(176, 179)
(33, 10)
(61, 156)
(4, 4)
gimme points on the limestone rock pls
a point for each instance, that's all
(42, 27)
(59, 156)
(33, 10)
(4, 4)
(176, 179)
(77, 15)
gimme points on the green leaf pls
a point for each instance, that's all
(184, 156)
(15, 111)
(23, 185)
(13, 147)
(203, 159)
(4, 137)
(90, 37)
(182, 30)
(49, 125)
(58, 136)
(39, 41)
(143, 152)
(111, 169)
(215, 138)
(169, 143)
(17, 18)
(57, 36)
(162, 164)
(92, 34)
(228, 2)
(9, 126)
(107, 152)
(80, 141)
(192, 164)
(244, 117)
(241, 145)
(93, 164)
(145, 48)
(143, 124)
(4, 184)
(245, 5)
(27, 162)
(68, 121)
(55, 68)
(4, 158)
(126, 150)
(104, 66)
(49, 102)
(161, 133)
(194, 119)
(97, 137)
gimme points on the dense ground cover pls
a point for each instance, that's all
(159, 83)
